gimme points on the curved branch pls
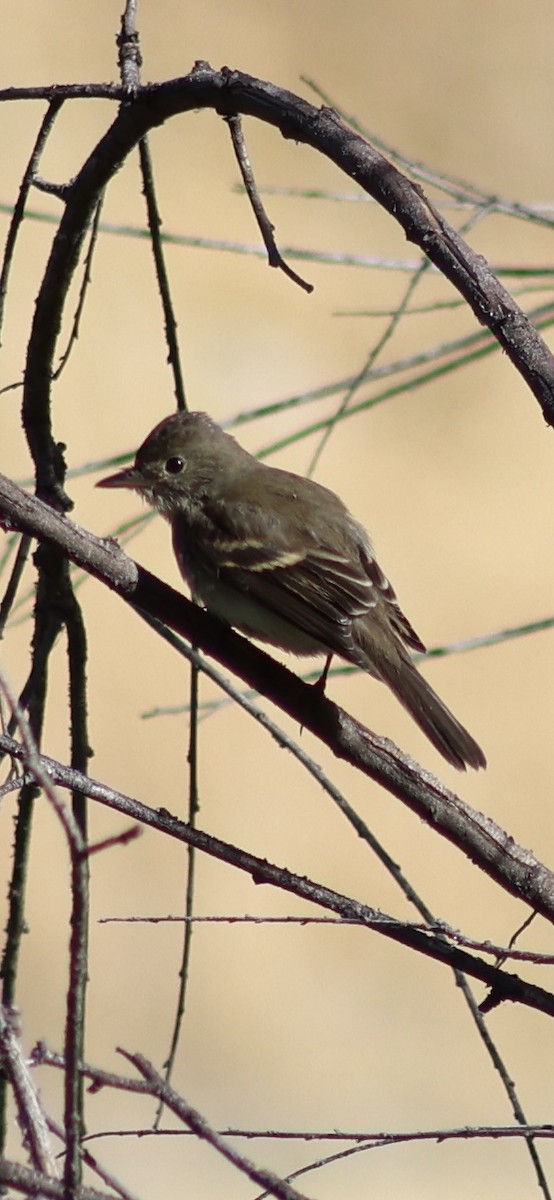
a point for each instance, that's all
(229, 93)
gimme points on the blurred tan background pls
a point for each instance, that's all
(299, 1028)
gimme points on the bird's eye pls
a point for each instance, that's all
(174, 465)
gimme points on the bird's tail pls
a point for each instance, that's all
(433, 717)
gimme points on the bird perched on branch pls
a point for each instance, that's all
(280, 558)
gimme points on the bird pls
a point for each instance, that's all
(280, 558)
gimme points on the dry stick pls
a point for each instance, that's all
(30, 1113)
(265, 226)
(434, 925)
(14, 581)
(152, 1084)
(196, 664)
(47, 629)
(285, 741)
(377, 1138)
(507, 1082)
(26, 183)
(129, 58)
(503, 986)
(464, 191)
(73, 1048)
(92, 1162)
(275, 1185)
(379, 1142)
(42, 1056)
(34, 1183)
(86, 281)
(56, 607)
(130, 62)
(80, 879)
(154, 226)
(444, 358)
(193, 808)
(485, 843)
(366, 371)
(49, 621)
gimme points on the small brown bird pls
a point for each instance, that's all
(281, 558)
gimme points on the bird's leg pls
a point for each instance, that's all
(319, 684)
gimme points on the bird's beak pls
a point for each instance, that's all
(129, 478)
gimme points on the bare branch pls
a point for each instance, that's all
(190, 1116)
(265, 226)
(154, 226)
(504, 986)
(26, 184)
(30, 1114)
(477, 835)
(230, 93)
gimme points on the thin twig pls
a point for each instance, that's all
(91, 1161)
(377, 1139)
(36, 1184)
(130, 58)
(506, 1080)
(78, 945)
(30, 1113)
(464, 191)
(14, 581)
(265, 226)
(193, 808)
(367, 367)
(435, 946)
(436, 925)
(154, 226)
(47, 628)
(85, 283)
(286, 742)
(198, 1124)
(382, 341)
(26, 184)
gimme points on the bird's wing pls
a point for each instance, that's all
(313, 585)
(399, 622)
